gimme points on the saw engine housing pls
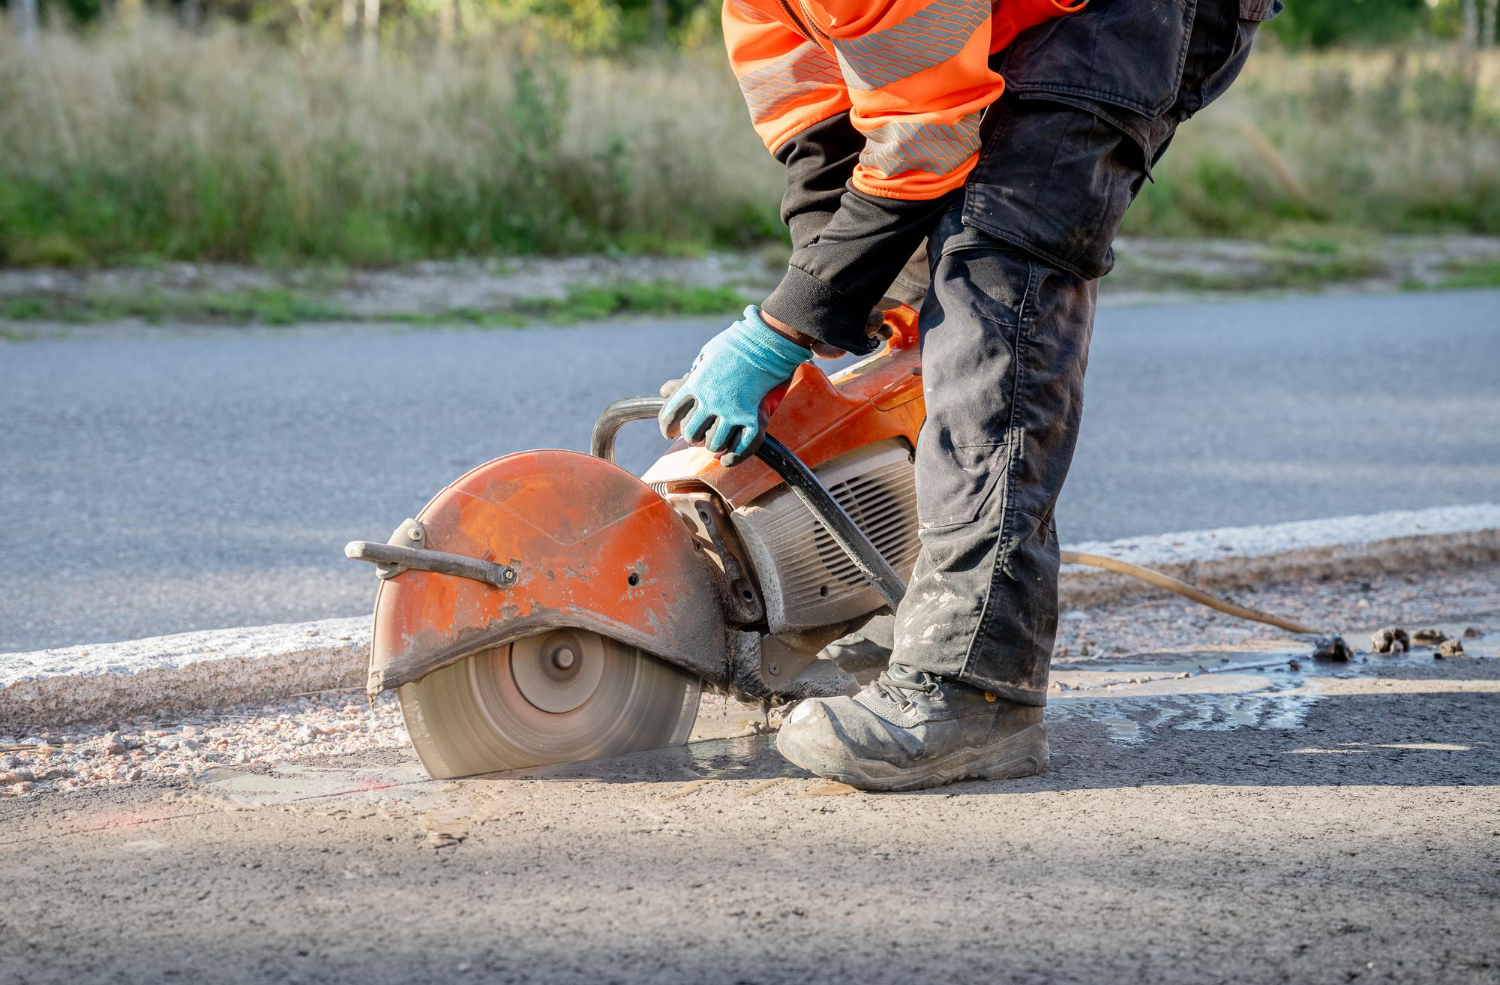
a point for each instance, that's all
(807, 580)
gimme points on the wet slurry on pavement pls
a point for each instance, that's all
(209, 479)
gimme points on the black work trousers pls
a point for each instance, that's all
(1092, 100)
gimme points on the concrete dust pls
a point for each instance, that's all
(831, 788)
(446, 828)
(251, 737)
(685, 790)
(761, 787)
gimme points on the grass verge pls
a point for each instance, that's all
(139, 142)
(278, 306)
(1459, 274)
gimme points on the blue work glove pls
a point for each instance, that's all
(718, 403)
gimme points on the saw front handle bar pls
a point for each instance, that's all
(779, 458)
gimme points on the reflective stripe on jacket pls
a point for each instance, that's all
(913, 75)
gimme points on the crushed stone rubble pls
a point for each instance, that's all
(345, 723)
(1390, 639)
(334, 724)
(1450, 648)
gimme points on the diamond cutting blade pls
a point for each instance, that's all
(558, 697)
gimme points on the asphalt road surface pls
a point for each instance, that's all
(1250, 825)
(157, 483)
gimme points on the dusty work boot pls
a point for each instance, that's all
(909, 729)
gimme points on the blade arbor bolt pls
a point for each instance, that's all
(563, 657)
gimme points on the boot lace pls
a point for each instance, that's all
(899, 691)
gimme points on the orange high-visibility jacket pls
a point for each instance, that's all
(905, 80)
(913, 75)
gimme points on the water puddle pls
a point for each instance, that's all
(1216, 689)
(1257, 684)
(1133, 720)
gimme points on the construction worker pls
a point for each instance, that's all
(997, 145)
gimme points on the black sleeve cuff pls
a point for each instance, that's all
(818, 161)
(809, 305)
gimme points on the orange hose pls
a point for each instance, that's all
(1184, 589)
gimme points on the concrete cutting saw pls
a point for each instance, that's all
(549, 606)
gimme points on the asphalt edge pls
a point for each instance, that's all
(183, 672)
(221, 668)
(1080, 588)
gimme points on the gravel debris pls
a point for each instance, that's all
(1449, 648)
(1153, 625)
(1391, 639)
(1332, 647)
(247, 736)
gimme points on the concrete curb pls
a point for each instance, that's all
(1235, 558)
(183, 672)
(216, 668)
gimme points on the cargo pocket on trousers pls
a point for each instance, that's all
(1055, 180)
(1128, 53)
(955, 482)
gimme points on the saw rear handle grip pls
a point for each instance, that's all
(802, 480)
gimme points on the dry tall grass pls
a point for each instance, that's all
(1387, 141)
(144, 141)
(147, 140)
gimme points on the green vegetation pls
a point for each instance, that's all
(268, 306)
(1291, 262)
(637, 298)
(1344, 143)
(138, 142)
(1276, 268)
(280, 306)
(149, 143)
(1320, 23)
(1484, 274)
(599, 26)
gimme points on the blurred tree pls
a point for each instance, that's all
(599, 25)
(370, 28)
(1320, 23)
(24, 14)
